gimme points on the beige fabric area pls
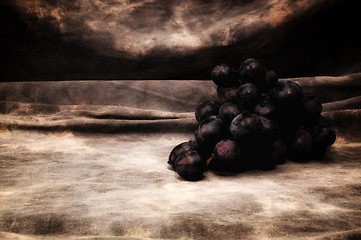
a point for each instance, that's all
(88, 160)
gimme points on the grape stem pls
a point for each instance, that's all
(209, 159)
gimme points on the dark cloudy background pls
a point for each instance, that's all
(185, 39)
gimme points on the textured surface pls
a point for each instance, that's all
(184, 39)
(119, 185)
(73, 169)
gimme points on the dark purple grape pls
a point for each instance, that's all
(265, 108)
(286, 95)
(278, 152)
(252, 71)
(270, 80)
(179, 149)
(269, 131)
(190, 165)
(311, 110)
(228, 112)
(264, 159)
(323, 135)
(299, 149)
(323, 121)
(259, 150)
(318, 151)
(246, 128)
(227, 156)
(247, 96)
(210, 131)
(224, 76)
(267, 157)
(227, 94)
(289, 120)
(206, 109)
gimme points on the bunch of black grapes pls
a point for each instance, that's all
(258, 123)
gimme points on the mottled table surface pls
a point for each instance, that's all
(75, 169)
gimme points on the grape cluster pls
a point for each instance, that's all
(258, 123)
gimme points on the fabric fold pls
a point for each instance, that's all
(150, 106)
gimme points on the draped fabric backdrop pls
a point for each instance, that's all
(157, 39)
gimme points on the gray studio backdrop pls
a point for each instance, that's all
(154, 39)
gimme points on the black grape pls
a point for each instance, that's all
(265, 108)
(190, 165)
(286, 95)
(207, 109)
(247, 96)
(252, 71)
(270, 156)
(227, 156)
(288, 121)
(228, 94)
(269, 131)
(210, 131)
(270, 80)
(264, 153)
(299, 149)
(278, 152)
(323, 121)
(224, 76)
(311, 109)
(323, 135)
(179, 149)
(228, 112)
(246, 128)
